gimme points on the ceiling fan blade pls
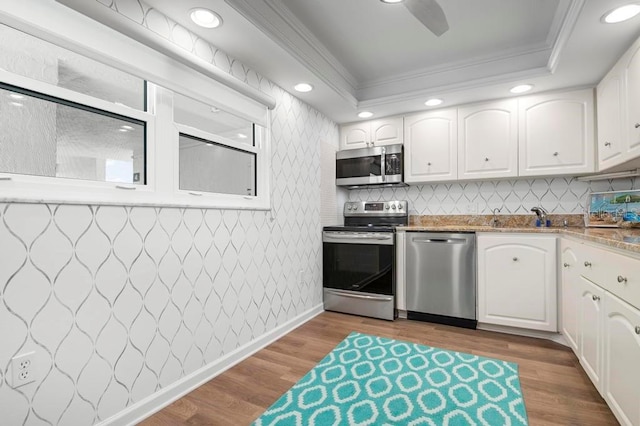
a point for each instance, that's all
(430, 14)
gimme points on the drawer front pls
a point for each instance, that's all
(614, 272)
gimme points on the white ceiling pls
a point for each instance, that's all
(363, 54)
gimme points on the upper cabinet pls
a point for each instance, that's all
(619, 113)
(368, 134)
(556, 133)
(611, 141)
(488, 140)
(430, 146)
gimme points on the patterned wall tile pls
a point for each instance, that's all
(557, 195)
(120, 302)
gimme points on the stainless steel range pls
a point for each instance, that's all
(359, 275)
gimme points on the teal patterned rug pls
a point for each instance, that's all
(370, 380)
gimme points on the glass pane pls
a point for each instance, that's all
(210, 119)
(359, 167)
(210, 167)
(358, 267)
(45, 138)
(32, 57)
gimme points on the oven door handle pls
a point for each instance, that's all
(359, 237)
(360, 296)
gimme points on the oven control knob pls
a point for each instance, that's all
(355, 207)
(400, 207)
(386, 206)
(349, 207)
(393, 206)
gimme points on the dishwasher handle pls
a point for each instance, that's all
(440, 240)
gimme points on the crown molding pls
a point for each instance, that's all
(562, 34)
(283, 28)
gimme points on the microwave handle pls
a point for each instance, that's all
(383, 164)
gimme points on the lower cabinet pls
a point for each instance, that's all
(517, 281)
(601, 328)
(621, 365)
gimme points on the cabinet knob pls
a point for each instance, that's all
(515, 259)
(637, 329)
(486, 158)
(607, 144)
(637, 125)
(595, 298)
(429, 163)
(587, 263)
(372, 143)
(566, 265)
(555, 154)
(622, 279)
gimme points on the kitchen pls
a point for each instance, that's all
(209, 284)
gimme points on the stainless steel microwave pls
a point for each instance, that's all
(370, 166)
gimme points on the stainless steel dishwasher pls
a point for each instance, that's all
(441, 277)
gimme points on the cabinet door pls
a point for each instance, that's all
(632, 123)
(590, 326)
(488, 140)
(621, 371)
(570, 293)
(386, 131)
(517, 281)
(430, 146)
(354, 136)
(556, 134)
(610, 142)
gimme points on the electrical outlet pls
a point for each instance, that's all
(301, 276)
(23, 369)
(472, 208)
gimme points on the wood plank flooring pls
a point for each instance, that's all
(556, 389)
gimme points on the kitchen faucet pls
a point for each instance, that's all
(542, 215)
(494, 221)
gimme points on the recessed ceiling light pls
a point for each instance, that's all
(303, 87)
(122, 129)
(365, 114)
(521, 88)
(17, 104)
(206, 18)
(242, 136)
(433, 102)
(127, 127)
(16, 96)
(621, 14)
(391, 1)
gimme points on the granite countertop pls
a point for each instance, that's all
(621, 238)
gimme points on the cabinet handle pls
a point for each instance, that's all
(595, 298)
(637, 125)
(607, 144)
(486, 158)
(555, 154)
(587, 263)
(566, 265)
(637, 329)
(515, 259)
(622, 279)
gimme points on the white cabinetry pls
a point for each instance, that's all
(556, 133)
(386, 131)
(570, 294)
(517, 281)
(488, 140)
(621, 366)
(600, 301)
(611, 141)
(430, 146)
(631, 62)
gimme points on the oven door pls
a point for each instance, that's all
(359, 273)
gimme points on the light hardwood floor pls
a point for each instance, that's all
(556, 389)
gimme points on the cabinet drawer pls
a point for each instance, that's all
(614, 272)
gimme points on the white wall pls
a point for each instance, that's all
(120, 303)
(560, 195)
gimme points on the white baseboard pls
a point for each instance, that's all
(154, 403)
(555, 337)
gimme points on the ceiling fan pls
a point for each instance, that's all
(428, 12)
